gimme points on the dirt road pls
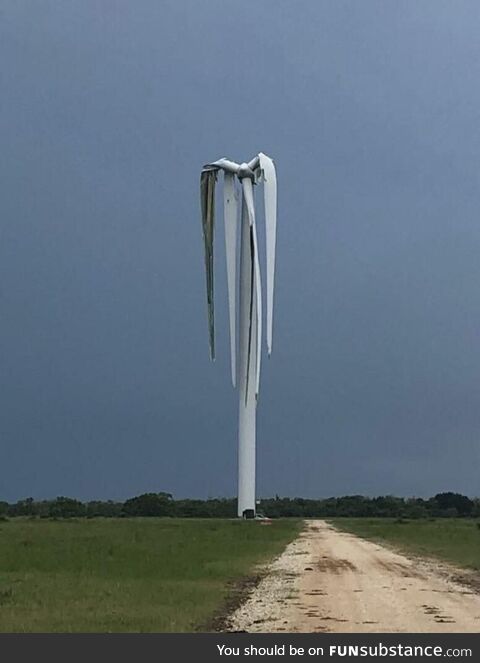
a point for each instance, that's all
(330, 581)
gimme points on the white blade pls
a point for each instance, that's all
(256, 285)
(230, 218)
(270, 193)
(258, 312)
(248, 196)
(207, 199)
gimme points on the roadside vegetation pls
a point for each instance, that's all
(442, 505)
(454, 540)
(127, 575)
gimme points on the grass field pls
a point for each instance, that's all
(453, 540)
(138, 575)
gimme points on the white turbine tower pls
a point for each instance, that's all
(245, 363)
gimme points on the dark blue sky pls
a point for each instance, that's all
(107, 112)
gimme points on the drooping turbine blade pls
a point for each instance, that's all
(255, 284)
(270, 194)
(230, 218)
(258, 311)
(250, 310)
(208, 179)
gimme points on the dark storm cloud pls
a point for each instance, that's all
(107, 112)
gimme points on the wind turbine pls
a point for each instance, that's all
(245, 362)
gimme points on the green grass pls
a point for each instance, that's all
(453, 540)
(126, 575)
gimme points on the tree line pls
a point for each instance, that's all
(442, 505)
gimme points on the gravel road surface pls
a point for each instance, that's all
(330, 581)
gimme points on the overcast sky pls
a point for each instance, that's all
(108, 109)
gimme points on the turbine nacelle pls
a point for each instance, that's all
(245, 171)
(240, 169)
